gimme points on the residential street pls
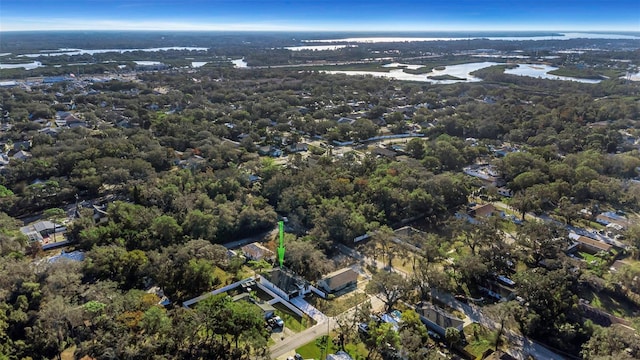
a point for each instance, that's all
(522, 347)
(288, 345)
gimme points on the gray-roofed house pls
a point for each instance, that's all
(339, 280)
(345, 120)
(298, 147)
(21, 155)
(437, 320)
(285, 283)
(384, 152)
(39, 230)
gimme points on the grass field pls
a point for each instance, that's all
(601, 300)
(479, 339)
(339, 304)
(291, 320)
(317, 350)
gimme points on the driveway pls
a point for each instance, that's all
(287, 347)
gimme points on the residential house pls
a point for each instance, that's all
(157, 291)
(610, 217)
(269, 151)
(588, 245)
(504, 191)
(4, 159)
(100, 214)
(49, 131)
(285, 283)
(21, 155)
(22, 145)
(256, 251)
(40, 230)
(500, 290)
(487, 173)
(345, 120)
(482, 210)
(339, 280)
(437, 320)
(390, 154)
(298, 147)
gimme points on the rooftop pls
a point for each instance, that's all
(439, 317)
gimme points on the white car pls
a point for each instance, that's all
(277, 320)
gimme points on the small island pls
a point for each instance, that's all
(446, 77)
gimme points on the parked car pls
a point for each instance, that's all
(276, 321)
(363, 328)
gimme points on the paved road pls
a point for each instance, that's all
(591, 233)
(288, 345)
(522, 346)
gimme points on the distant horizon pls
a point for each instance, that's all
(465, 32)
(320, 15)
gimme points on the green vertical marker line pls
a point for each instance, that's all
(281, 246)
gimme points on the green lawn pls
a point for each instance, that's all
(316, 350)
(338, 305)
(478, 340)
(291, 320)
(617, 306)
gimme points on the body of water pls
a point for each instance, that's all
(561, 36)
(26, 66)
(147, 63)
(239, 63)
(197, 64)
(541, 71)
(461, 71)
(407, 66)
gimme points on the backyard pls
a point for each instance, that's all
(291, 320)
(338, 305)
(479, 339)
(318, 349)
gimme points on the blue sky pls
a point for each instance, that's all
(317, 15)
